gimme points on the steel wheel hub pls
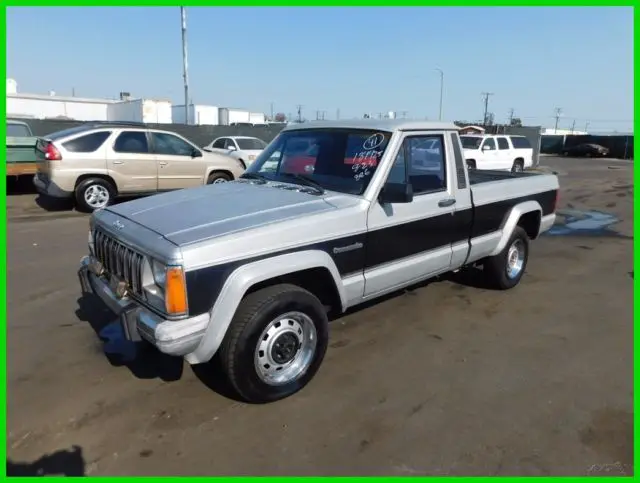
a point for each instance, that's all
(219, 180)
(96, 196)
(285, 349)
(515, 259)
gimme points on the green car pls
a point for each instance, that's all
(21, 143)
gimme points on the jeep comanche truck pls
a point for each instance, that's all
(248, 270)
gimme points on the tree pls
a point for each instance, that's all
(516, 122)
(280, 117)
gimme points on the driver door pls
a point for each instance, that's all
(180, 163)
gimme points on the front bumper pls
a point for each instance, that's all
(172, 337)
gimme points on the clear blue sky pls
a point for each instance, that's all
(355, 59)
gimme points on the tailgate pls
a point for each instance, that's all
(42, 163)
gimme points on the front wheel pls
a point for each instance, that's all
(505, 270)
(518, 166)
(275, 344)
(471, 164)
(217, 178)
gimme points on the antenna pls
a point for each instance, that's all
(185, 68)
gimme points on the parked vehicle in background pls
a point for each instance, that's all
(497, 152)
(95, 163)
(585, 149)
(243, 148)
(249, 270)
(21, 154)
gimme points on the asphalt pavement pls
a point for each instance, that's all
(447, 378)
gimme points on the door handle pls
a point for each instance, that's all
(446, 202)
(118, 162)
(163, 163)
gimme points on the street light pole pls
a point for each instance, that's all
(441, 91)
(185, 68)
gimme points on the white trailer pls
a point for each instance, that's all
(141, 110)
(198, 115)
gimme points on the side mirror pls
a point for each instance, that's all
(196, 153)
(396, 193)
(486, 147)
(231, 148)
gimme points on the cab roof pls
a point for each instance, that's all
(376, 124)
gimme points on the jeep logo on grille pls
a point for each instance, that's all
(117, 225)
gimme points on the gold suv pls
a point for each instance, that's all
(95, 163)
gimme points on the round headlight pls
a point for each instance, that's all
(159, 273)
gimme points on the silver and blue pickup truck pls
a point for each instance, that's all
(330, 215)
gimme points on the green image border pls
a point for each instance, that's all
(307, 3)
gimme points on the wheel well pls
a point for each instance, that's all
(215, 171)
(316, 280)
(530, 223)
(520, 160)
(105, 177)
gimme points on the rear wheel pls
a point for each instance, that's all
(275, 343)
(218, 177)
(505, 270)
(94, 193)
(518, 166)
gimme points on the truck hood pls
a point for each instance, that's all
(195, 214)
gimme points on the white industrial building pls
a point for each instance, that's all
(150, 111)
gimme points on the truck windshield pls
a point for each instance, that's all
(342, 160)
(470, 142)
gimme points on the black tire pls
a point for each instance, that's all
(218, 177)
(518, 166)
(100, 185)
(496, 268)
(471, 164)
(256, 312)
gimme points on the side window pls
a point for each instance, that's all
(87, 144)
(219, 143)
(520, 142)
(503, 143)
(229, 144)
(423, 158)
(164, 143)
(489, 144)
(133, 142)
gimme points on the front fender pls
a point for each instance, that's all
(512, 221)
(242, 279)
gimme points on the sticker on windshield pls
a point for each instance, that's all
(373, 141)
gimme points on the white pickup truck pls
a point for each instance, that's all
(250, 269)
(501, 152)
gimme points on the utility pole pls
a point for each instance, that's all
(573, 126)
(486, 106)
(185, 72)
(511, 112)
(299, 109)
(404, 114)
(586, 127)
(558, 114)
(441, 91)
(272, 111)
(337, 113)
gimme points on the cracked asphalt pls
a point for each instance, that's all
(444, 379)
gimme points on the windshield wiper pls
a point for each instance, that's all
(255, 176)
(305, 181)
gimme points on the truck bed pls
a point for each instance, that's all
(489, 176)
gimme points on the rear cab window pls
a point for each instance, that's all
(88, 143)
(17, 130)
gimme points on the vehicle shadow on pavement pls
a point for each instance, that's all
(142, 360)
(61, 463)
(53, 204)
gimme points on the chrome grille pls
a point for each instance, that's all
(119, 260)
